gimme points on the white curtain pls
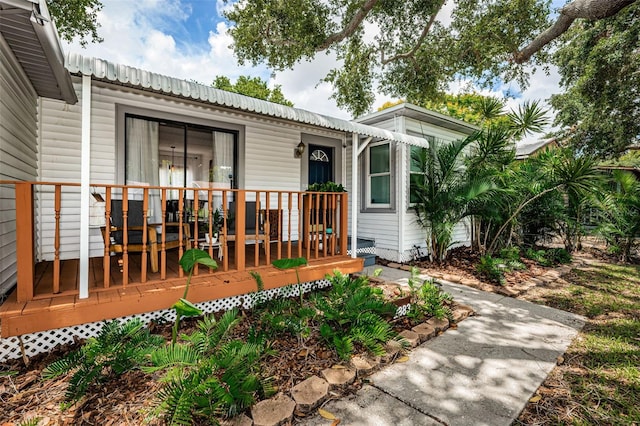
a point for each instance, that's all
(222, 157)
(142, 161)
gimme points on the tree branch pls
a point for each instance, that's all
(423, 35)
(350, 28)
(586, 9)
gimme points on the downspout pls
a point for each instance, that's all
(402, 185)
(354, 194)
(85, 177)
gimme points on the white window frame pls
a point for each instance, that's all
(369, 175)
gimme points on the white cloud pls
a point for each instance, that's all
(133, 35)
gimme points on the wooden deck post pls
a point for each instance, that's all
(24, 241)
(344, 225)
(241, 211)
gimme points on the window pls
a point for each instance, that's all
(379, 176)
(416, 173)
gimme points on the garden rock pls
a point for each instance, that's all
(310, 393)
(461, 312)
(364, 365)
(424, 331)
(507, 291)
(392, 349)
(439, 324)
(411, 337)
(338, 377)
(276, 411)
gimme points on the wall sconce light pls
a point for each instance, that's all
(299, 150)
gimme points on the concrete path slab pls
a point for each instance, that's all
(482, 373)
(369, 407)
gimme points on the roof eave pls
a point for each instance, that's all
(44, 31)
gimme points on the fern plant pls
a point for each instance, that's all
(116, 349)
(427, 299)
(210, 374)
(353, 313)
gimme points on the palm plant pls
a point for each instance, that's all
(443, 190)
(210, 374)
(554, 170)
(621, 211)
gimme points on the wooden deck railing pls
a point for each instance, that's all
(152, 221)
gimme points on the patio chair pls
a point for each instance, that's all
(135, 228)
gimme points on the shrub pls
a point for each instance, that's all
(549, 257)
(492, 269)
(353, 312)
(427, 299)
(209, 374)
(116, 349)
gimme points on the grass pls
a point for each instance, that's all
(599, 381)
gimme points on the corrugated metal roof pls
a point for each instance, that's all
(146, 80)
(421, 114)
(526, 149)
(27, 28)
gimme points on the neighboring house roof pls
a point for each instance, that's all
(21, 23)
(124, 75)
(421, 114)
(528, 149)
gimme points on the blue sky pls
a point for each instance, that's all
(188, 39)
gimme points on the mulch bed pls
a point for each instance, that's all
(129, 398)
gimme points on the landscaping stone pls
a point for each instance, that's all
(411, 337)
(406, 267)
(310, 393)
(392, 348)
(439, 324)
(364, 365)
(425, 331)
(276, 411)
(468, 281)
(450, 278)
(338, 377)
(507, 291)
(394, 265)
(240, 420)
(461, 312)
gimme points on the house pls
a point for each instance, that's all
(384, 212)
(109, 173)
(531, 149)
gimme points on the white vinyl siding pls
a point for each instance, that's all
(414, 234)
(266, 159)
(18, 152)
(397, 233)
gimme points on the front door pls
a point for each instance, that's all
(320, 164)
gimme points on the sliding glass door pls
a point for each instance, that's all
(179, 155)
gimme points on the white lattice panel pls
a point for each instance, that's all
(44, 341)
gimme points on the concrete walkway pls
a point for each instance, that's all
(482, 373)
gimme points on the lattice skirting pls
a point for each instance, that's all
(44, 341)
(368, 250)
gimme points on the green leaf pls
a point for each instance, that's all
(289, 263)
(186, 308)
(193, 256)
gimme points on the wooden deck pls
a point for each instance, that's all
(306, 224)
(47, 311)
